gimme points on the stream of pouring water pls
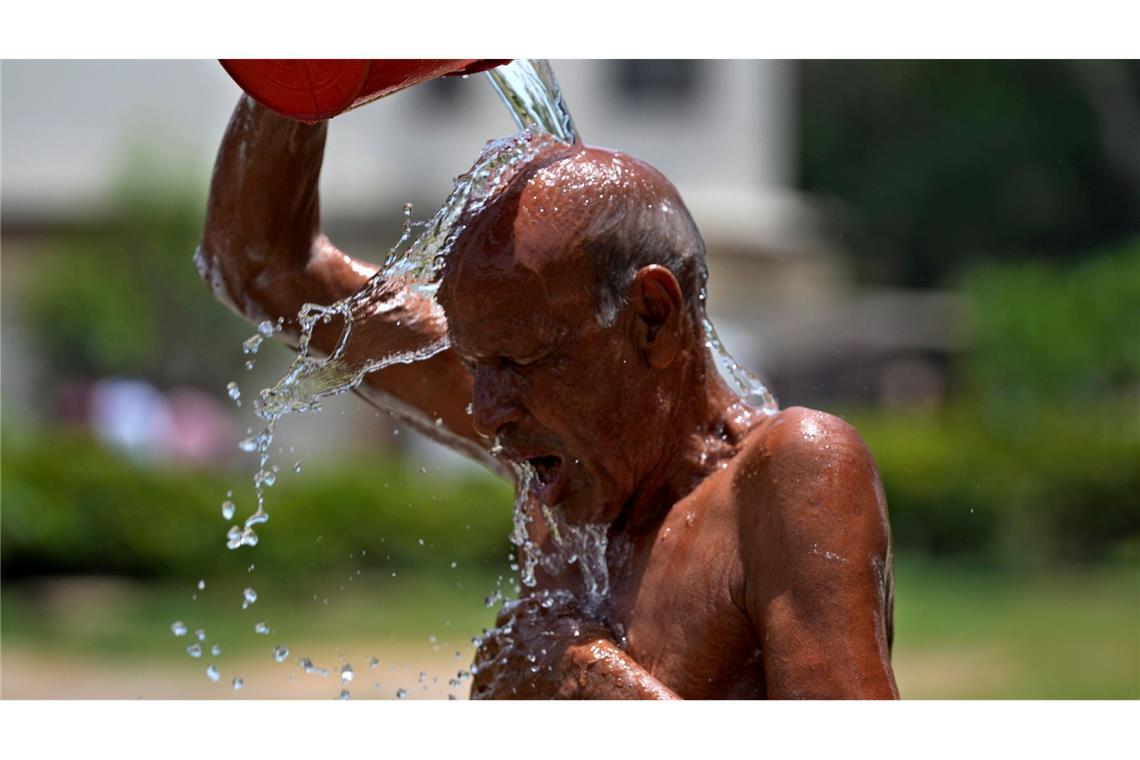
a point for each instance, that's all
(531, 93)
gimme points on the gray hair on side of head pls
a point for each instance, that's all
(632, 234)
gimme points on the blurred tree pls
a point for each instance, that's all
(121, 297)
(940, 163)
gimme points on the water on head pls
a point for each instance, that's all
(417, 261)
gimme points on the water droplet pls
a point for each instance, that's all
(454, 565)
(297, 467)
(248, 444)
(215, 650)
(257, 518)
(249, 537)
(439, 421)
(200, 634)
(233, 537)
(194, 650)
(249, 365)
(228, 508)
(178, 628)
(251, 344)
(346, 674)
(249, 569)
(401, 693)
(265, 329)
(421, 542)
(238, 683)
(280, 653)
(308, 666)
(374, 662)
(249, 596)
(202, 584)
(261, 628)
(344, 693)
(233, 391)
(470, 409)
(212, 673)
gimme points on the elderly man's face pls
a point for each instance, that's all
(553, 387)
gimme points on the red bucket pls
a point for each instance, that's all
(312, 90)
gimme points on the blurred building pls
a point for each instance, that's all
(723, 131)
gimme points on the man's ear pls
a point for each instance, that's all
(658, 311)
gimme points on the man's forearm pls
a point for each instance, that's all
(262, 217)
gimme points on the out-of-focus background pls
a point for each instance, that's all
(946, 254)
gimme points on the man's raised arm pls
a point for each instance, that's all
(263, 254)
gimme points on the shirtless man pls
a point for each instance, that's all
(749, 554)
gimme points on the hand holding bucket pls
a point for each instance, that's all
(316, 89)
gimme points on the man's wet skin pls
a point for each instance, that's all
(629, 425)
(748, 554)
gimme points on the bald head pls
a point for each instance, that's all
(579, 204)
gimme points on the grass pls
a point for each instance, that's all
(960, 631)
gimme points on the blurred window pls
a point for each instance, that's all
(640, 82)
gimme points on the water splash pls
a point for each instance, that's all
(413, 267)
(739, 379)
(530, 91)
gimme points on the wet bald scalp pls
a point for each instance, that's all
(619, 213)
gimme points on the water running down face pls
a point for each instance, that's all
(585, 402)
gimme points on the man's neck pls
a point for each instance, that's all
(710, 422)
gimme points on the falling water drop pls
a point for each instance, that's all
(344, 693)
(280, 653)
(233, 391)
(261, 628)
(212, 673)
(215, 650)
(346, 674)
(238, 683)
(252, 344)
(265, 329)
(228, 508)
(202, 584)
(178, 628)
(194, 650)
(249, 596)
(401, 693)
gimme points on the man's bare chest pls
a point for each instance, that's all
(675, 597)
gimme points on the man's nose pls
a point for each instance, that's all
(495, 404)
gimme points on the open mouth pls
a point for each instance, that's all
(547, 470)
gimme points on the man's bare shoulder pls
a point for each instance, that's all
(808, 477)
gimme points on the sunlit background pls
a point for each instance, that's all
(945, 254)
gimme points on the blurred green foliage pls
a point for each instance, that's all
(1044, 336)
(1039, 456)
(938, 164)
(71, 506)
(122, 298)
